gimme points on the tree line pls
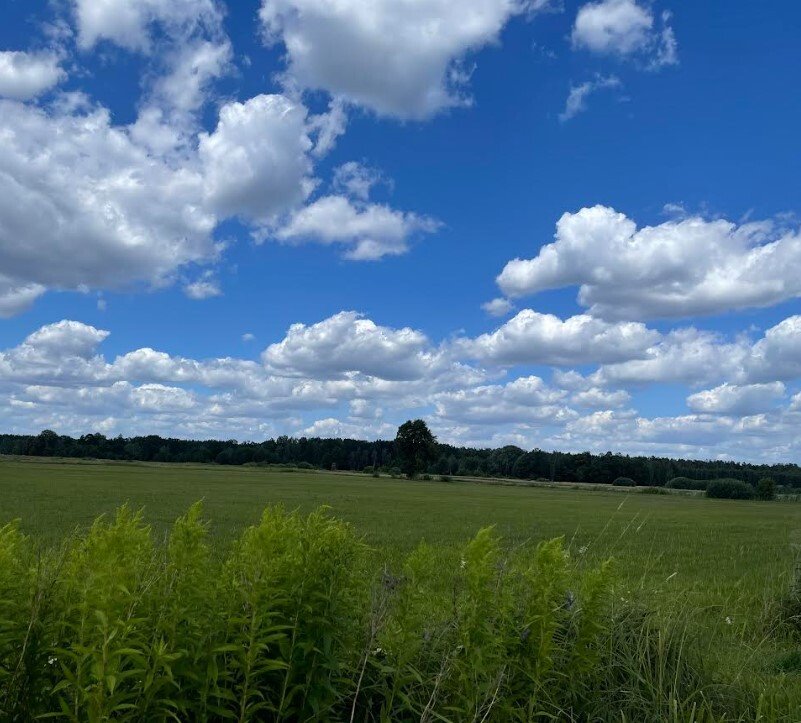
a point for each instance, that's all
(391, 456)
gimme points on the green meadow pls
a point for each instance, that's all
(714, 572)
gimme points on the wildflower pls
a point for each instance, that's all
(729, 621)
(52, 660)
(582, 549)
(463, 564)
(378, 651)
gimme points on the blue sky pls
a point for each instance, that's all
(289, 216)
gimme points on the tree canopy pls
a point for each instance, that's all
(383, 455)
(415, 446)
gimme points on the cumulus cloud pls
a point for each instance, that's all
(625, 28)
(347, 342)
(498, 307)
(534, 338)
(397, 59)
(687, 356)
(83, 205)
(130, 24)
(680, 268)
(348, 376)
(206, 287)
(525, 400)
(601, 398)
(16, 297)
(736, 399)
(256, 162)
(370, 231)
(58, 378)
(333, 428)
(26, 75)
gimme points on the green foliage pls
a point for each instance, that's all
(729, 489)
(624, 482)
(685, 483)
(662, 561)
(415, 446)
(766, 489)
(353, 454)
(297, 623)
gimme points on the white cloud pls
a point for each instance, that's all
(328, 127)
(601, 398)
(534, 338)
(347, 342)
(16, 297)
(676, 269)
(355, 180)
(67, 338)
(183, 41)
(734, 399)
(577, 98)
(625, 28)
(396, 58)
(191, 69)
(525, 400)
(128, 23)
(778, 354)
(687, 356)
(26, 75)
(206, 287)
(248, 337)
(256, 163)
(347, 376)
(369, 230)
(82, 205)
(498, 307)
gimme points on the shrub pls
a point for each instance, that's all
(766, 489)
(369, 469)
(653, 491)
(685, 483)
(305, 465)
(729, 489)
(624, 482)
(445, 478)
(395, 472)
(425, 477)
(297, 623)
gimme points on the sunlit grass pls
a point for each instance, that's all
(713, 569)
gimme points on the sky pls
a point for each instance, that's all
(554, 224)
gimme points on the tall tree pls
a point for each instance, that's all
(415, 446)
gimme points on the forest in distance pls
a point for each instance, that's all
(381, 455)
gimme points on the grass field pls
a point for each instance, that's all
(720, 563)
(724, 551)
